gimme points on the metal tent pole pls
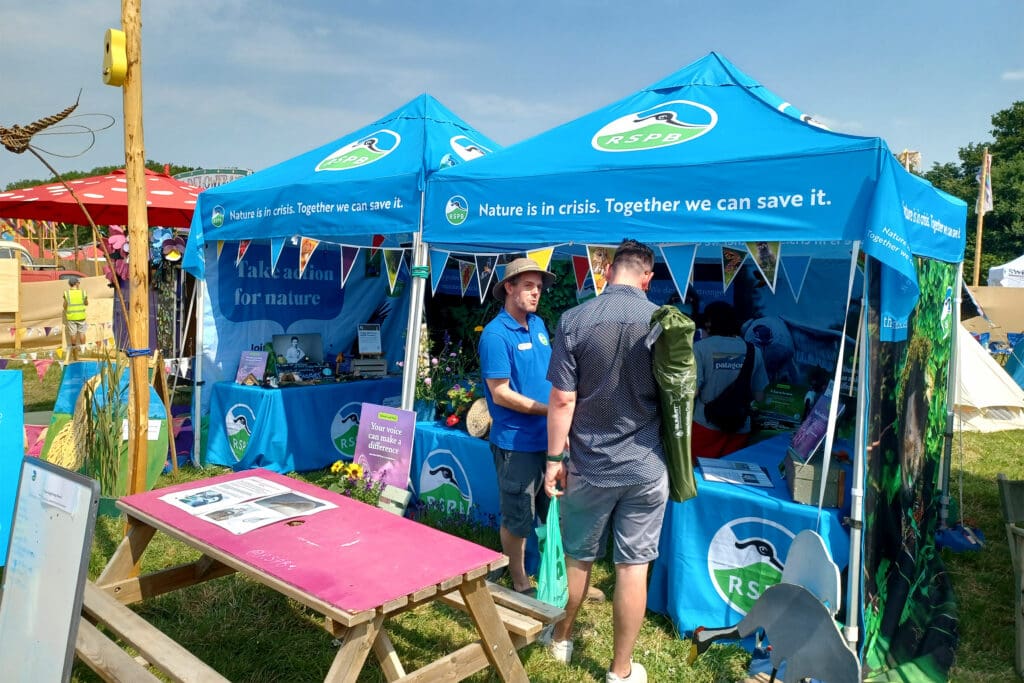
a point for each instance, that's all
(412, 328)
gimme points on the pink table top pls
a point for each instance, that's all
(355, 557)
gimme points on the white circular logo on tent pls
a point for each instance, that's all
(457, 210)
(667, 124)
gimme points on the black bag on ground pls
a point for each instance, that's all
(729, 410)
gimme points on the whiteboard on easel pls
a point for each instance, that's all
(47, 562)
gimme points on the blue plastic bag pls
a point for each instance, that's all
(552, 581)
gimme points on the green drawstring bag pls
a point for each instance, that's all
(552, 581)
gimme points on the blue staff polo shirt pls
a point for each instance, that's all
(519, 354)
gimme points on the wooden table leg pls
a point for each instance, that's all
(124, 563)
(496, 642)
(390, 665)
(355, 646)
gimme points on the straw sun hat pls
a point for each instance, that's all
(478, 419)
(518, 267)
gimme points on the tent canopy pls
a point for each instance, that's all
(989, 400)
(1009, 274)
(704, 155)
(363, 184)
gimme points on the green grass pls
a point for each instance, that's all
(251, 633)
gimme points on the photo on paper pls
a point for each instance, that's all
(600, 257)
(298, 348)
(732, 261)
(766, 258)
(292, 504)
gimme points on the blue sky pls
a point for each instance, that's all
(249, 83)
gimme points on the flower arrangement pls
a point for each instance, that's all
(447, 378)
(350, 479)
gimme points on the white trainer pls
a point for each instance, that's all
(637, 674)
(561, 650)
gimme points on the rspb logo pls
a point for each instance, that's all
(362, 152)
(239, 423)
(345, 428)
(457, 210)
(443, 481)
(667, 124)
(745, 557)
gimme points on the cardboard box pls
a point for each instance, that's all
(804, 481)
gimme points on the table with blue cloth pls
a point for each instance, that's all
(291, 428)
(721, 550)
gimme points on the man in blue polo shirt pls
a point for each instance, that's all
(514, 354)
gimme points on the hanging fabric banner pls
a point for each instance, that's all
(276, 246)
(766, 258)
(438, 261)
(732, 261)
(348, 259)
(307, 245)
(601, 256)
(392, 264)
(41, 367)
(580, 268)
(796, 272)
(377, 241)
(485, 272)
(679, 259)
(243, 246)
(541, 256)
(466, 272)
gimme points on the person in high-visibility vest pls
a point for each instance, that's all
(75, 301)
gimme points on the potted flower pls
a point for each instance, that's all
(350, 479)
(445, 384)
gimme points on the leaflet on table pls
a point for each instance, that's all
(734, 472)
(242, 505)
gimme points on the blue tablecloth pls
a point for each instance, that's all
(295, 428)
(451, 467)
(721, 550)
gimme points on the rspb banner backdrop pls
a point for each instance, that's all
(250, 301)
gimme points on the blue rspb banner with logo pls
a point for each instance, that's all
(250, 301)
(704, 155)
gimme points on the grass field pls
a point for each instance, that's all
(249, 633)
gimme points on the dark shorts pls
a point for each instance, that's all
(520, 489)
(633, 514)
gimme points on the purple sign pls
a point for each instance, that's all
(384, 443)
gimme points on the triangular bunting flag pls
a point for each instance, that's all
(60, 353)
(41, 367)
(220, 247)
(276, 247)
(732, 260)
(3, 363)
(485, 273)
(679, 259)
(466, 272)
(499, 271)
(600, 256)
(438, 261)
(541, 256)
(33, 355)
(580, 268)
(766, 258)
(243, 246)
(348, 259)
(392, 264)
(307, 245)
(377, 241)
(46, 331)
(796, 268)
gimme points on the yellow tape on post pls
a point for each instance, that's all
(115, 58)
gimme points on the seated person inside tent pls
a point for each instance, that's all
(730, 374)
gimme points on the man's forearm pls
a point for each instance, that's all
(561, 406)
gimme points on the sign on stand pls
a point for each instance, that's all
(384, 443)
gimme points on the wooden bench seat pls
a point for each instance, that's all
(522, 615)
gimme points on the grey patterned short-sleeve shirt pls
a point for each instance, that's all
(599, 352)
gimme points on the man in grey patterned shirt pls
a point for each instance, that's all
(604, 404)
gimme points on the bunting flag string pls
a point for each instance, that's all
(438, 262)
(796, 268)
(377, 241)
(732, 261)
(679, 258)
(41, 367)
(243, 246)
(276, 247)
(307, 245)
(580, 268)
(392, 265)
(766, 258)
(348, 259)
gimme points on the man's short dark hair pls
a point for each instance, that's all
(295, 339)
(634, 255)
(720, 318)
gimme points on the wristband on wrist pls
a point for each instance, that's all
(556, 458)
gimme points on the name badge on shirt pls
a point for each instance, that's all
(525, 346)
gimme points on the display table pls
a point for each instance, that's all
(455, 469)
(377, 569)
(721, 550)
(293, 428)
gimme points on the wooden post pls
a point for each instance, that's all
(980, 207)
(138, 234)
